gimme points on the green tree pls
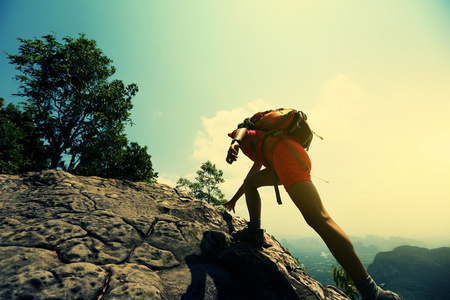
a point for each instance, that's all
(344, 282)
(21, 149)
(114, 158)
(206, 185)
(75, 106)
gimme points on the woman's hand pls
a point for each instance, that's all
(230, 205)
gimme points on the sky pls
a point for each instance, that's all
(372, 76)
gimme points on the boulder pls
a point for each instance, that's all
(72, 237)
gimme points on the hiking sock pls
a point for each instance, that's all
(367, 288)
(256, 223)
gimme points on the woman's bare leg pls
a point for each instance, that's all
(307, 199)
(252, 197)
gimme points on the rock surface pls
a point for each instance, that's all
(73, 237)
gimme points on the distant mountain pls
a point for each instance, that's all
(306, 244)
(414, 272)
(386, 244)
(369, 244)
(309, 252)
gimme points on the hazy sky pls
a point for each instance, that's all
(372, 76)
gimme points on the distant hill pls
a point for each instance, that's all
(369, 244)
(310, 253)
(414, 272)
(385, 244)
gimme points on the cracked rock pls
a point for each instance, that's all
(133, 281)
(72, 237)
(153, 257)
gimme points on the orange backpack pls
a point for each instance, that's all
(279, 124)
(288, 122)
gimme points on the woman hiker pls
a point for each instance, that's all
(297, 182)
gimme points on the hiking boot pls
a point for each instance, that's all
(252, 235)
(387, 295)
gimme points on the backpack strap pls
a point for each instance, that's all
(296, 155)
(278, 133)
(275, 182)
(272, 170)
(251, 144)
(274, 173)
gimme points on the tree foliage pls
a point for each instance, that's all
(206, 185)
(21, 149)
(75, 107)
(344, 282)
(114, 158)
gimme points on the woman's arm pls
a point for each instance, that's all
(232, 203)
(233, 151)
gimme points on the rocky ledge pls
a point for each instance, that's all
(73, 237)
